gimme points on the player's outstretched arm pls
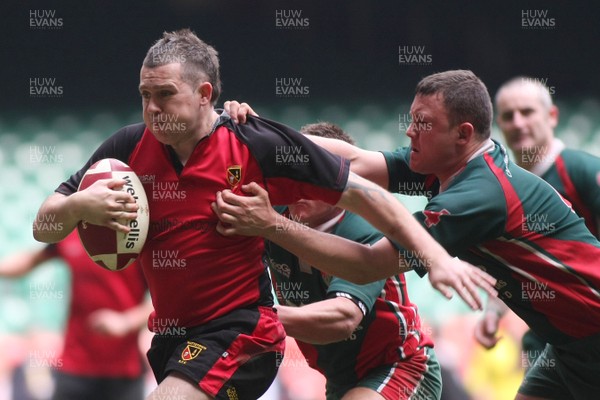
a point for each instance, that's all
(358, 263)
(21, 263)
(99, 204)
(120, 323)
(323, 322)
(254, 216)
(370, 165)
(391, 218)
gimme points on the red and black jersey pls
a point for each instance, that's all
(195, 274)
(93, 288)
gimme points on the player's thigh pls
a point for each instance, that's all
(417, 377)
(544, 380)
(124, 388)
(235, 358)
(176, 385)
(73, 387)
(362, 393)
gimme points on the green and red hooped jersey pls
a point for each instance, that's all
(516, 227)
(195, 274)
(576, 175)
(389, 332)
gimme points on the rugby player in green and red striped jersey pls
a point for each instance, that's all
(527, 118)
(367, 340)
(484, 209)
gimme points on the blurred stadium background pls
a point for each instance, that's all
(345, 53)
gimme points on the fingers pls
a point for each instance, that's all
(489, 289)
(226, 230)
(253, 188)
(227, 202)
(487, 333)
(475, 278)
(115, 183)
(470, 294)
(118, 226)
(228, 198)
(226, 213)
(466, 294)
(116, 193)
(491, 322)
(123, 215)
(231, 108)
(237, 111)
(483, 335)
(227, 218)
(444, 290)
(487, 277)
(486, 282)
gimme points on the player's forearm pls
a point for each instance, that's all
(19, 264)
(323, 322)
(391, 218)
(332, 254)
(56, 218)
(368, 164)
(137, 316)
(335, 146)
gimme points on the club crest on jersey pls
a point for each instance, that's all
(234, 175)
(191, 351)
(432, 218)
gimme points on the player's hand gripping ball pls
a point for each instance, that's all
(108, 248)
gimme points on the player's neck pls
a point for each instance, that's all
(530, 157)
(476, 149)
(523, 164)
(185, 148)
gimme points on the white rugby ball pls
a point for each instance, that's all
(106, 247)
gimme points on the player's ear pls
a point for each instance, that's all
(553, 116)
(465, 132)
(205, 89)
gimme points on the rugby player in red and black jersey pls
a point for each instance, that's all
(106, 312)
(211, 290)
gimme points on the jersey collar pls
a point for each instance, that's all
(556, 147)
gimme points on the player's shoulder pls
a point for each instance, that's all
(128, 135)
(261, 130)
(476, 183)
(574, 158)
(400, 154)
(132, 130)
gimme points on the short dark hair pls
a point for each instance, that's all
(327, 130)
(465, 97)
(199, 61)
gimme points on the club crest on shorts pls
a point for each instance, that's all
(234, 175)
(191, 351)
(232, 393)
